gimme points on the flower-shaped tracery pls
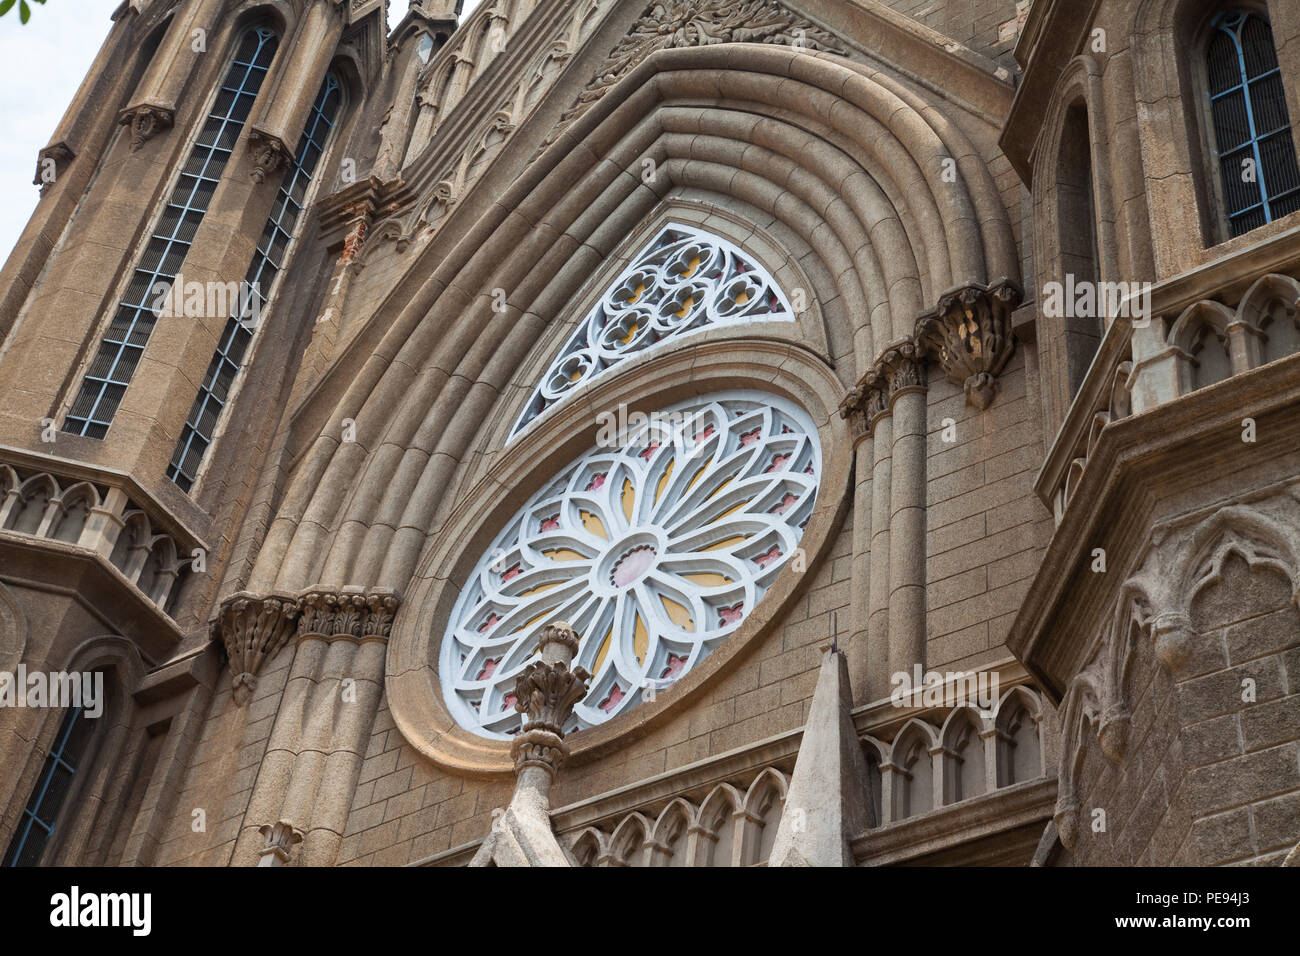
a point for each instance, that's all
(654, 546)
(685, 280)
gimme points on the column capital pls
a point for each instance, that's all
(899, 369)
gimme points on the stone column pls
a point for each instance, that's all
(287, 97)
(153, 106)
(546, 692)
(397, 124)
(892, 398)
(853, 408)
(305, 786)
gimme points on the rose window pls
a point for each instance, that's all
(685, 280)
(654, 546)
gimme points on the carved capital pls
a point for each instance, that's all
(146, 122)
(970, 335)
(252, 628)
(546, 692)
(351, 613)
(268, 152)
(900, 369)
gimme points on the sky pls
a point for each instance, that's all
(41, 65)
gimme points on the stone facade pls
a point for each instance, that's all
(858, 215)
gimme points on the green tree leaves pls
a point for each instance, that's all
(24, 9)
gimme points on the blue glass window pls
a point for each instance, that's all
(272, 249)
(123, 344)
(36, 824)
(1252, 128)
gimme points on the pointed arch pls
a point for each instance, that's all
(27, 512)
(964, 770)
(671, 835)
(716, 823)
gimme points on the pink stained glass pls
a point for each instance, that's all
(650, 450)
(730, 615)
(609, 703)
(512, 572)
(786, 504)
(675, 665)
(550, 524)
(763, 560)
(750, 437)
(489, 668)
(597, 481)
(488, 624)
(510, 702)
(778, 462)
(632, 565)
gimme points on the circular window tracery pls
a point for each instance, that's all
(684, 280)
(654, 546)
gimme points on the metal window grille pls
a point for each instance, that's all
(272, 249)
(1252, 129)
(124, 342)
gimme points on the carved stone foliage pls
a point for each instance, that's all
(970, 336)
(254, 627)
(1153, 606)
(146, 122)
(669, 24)
(352, 613)
(269, 154)
(900, 368)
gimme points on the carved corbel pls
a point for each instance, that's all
(252, 628)
(50, 164)
(269, 154)
(970, 335)
(146, 121)
(281, 838)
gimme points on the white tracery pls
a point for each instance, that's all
(655, 549)
(685, 280)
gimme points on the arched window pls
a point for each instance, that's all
(123, 344)
(36, 825)
(1077, 228)
(685, 280)
(1251, 126)
(272, 251)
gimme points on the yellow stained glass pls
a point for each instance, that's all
(604, 650)
(663, 482)
(708, 579)
(629, 498)
(729, 542)
(594, 525)
(563, 554)
(640, 640)
(678, 614)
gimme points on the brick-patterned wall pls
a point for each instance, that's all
(990, 27)
(986, 528)
(1209, 778)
